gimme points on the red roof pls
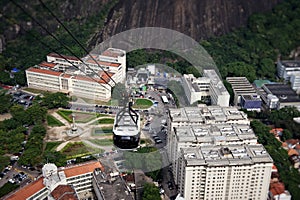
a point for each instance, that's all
(64, 192)
(292, 141)
(55, 55)
(293, 152)
(28, 190)
(82, 169)
(104, 78)
(277, 188)
(109, 53)
(66, 75)
(274, 168)
(104, 63)
(37, 185)
(47, 64)
(44, 71)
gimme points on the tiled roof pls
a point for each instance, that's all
(292, 152)
(28, 190)
(277, 188)
(64, 56)
(47, 64)
(110, 54)
(44, 71)
(105, 78)
(104, 63)
(82, 169)
(64, 192)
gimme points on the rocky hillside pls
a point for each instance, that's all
(196, 18)
(66, 10)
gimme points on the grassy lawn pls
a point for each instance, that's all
(52, 121)
(80, 117)
(101, 115)
(51, 146)
(35, 91)
(106, 121)
(7, 188)
(75, 149)
(104, 131)
(102, 142)
(142, 103)
(79, 149)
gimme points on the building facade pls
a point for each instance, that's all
(196, 89)
(227, 172)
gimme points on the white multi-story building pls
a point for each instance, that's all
(217, 91)
(85, 80)
(196, 89)
(224, 172)
(203, 88)
(240, 86)
(285, 69)
(190, 116)
(206, 135)
(79, 177)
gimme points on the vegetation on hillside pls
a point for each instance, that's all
(26, 51)
(249, 51)
(288, 174)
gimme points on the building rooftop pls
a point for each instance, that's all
(111, 185)
(216, 82)
(284, 92)
(226, 155)
(44, 71)
(64, 192)
(207, 114)
(241, 85)
(63, 56)
(27, 190)
(290, 63)
(47, 64)
(81, 168)
(214, 133)
(111, 52)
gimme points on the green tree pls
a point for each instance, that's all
(5, 102)
(36, 113)
(55, 100)
(286, 135)
(18, 113)
(241, 69)
(151, 192)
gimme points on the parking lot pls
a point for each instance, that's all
(22, 98)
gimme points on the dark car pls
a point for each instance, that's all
(170, 185)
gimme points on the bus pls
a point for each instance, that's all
(164, 99)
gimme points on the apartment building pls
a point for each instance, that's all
(79, 177)
(206, 135)
(86, 80)
(224, 172)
